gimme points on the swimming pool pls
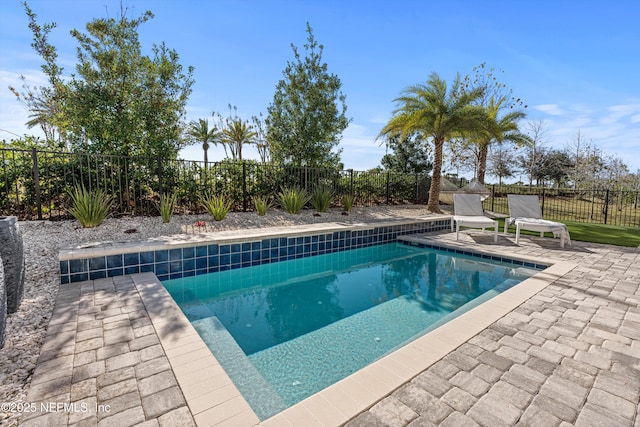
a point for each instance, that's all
(286, 330)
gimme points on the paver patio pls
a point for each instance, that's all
(570, 355)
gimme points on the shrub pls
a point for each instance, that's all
(347, 202)
(321, 198)
(166, 206)
(89, 207)
(262, 204)
(216, 206)
(293, 199)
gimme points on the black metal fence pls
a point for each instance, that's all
(602, 206)
(35, 184)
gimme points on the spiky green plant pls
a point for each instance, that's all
(293, 199)
(262, 204)
(216, 206)
(166, 206)
(347, 202)
(321, 198)
(89, 207)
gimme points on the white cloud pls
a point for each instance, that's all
(614, 129)
(624, 109)
(552, 109)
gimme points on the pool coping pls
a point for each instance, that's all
(214, 400)
(225, 237)
(191, 255)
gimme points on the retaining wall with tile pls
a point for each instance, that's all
(170, 260)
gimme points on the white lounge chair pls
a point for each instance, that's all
(468, 212)
(525, 214)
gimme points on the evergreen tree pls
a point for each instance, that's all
(408, 155)
(307, 116)
(118, 101)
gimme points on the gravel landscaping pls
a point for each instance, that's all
(43, 239)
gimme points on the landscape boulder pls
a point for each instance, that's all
(12, 254)
(3, 306)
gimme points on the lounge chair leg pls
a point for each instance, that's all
(517, 233)
(457, 230)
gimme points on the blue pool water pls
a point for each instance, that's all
(286, 330)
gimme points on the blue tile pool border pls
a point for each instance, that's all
(210, 257)
(528, 264)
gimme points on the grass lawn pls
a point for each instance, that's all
(595, 233)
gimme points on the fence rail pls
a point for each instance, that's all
(34, 184)
(601, 206)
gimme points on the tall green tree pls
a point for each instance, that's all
(556, 165)
(437, 113)
(118, 101)
(200, 132)
(306, 119)
(410, 154)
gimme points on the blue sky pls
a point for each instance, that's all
(574, 63)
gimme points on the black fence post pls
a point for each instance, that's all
(36, 181)
(493, 197)
(387, 187)
(606, 205)
(306, 179)
(244, 186)
(160, 186)
(542, 204)
(351, 182)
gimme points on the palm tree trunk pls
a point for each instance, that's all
(482, 163)
(434, 191)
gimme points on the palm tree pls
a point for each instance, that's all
(498, 130)
(433, 112)
(236, 134)
(199, 132)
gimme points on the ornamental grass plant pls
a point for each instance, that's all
(90, 208)
(166, 206)
(262, 204)
(347, 202)
(293, 199)
(216, 206)
(321, 198)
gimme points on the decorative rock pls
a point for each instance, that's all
(12, 254)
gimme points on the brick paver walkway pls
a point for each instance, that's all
(568, 356)
(102, 356)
